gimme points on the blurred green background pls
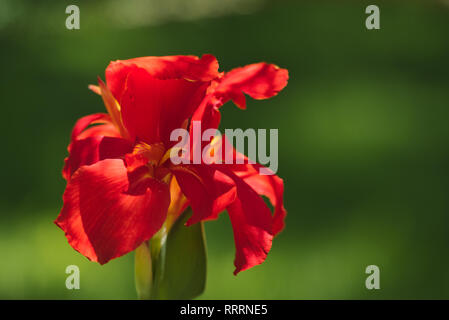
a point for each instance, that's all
(363, 139)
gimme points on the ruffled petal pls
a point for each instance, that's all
(105, 130)
(270, 186)
(208, 114)
(104, 217)
(259, 81)
(152, 108)
(86, 121)
(92, 149)
(252, 224)
(163, 68)
(94, 138)
(209, 191)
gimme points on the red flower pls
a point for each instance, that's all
(121, 184)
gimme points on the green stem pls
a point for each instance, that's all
(149, 260)
(143, 271)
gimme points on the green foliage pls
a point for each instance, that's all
(143, 271)
(177, 263)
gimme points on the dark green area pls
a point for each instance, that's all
(181, 267)
(363, 144)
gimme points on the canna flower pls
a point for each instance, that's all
(122, 186)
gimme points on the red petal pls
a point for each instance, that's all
(106, 130)
(152, 108)
(93, 149)
(208, 114)
(259, 80)
(102, 220)
(208, 190)
(86, 121)
(270, 186)
(169, 67)
(212, 191)
(98, 142)
(237, 188)
(252, 224)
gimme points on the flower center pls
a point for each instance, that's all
(149, 161)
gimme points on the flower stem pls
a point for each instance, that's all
(149, 258)
(150, 262)
(143, 271)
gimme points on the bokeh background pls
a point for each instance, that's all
(363, 139)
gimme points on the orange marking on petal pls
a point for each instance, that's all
(177, 202)
(95, 89)
(153, 152)
(184, 169)
(113, 108)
